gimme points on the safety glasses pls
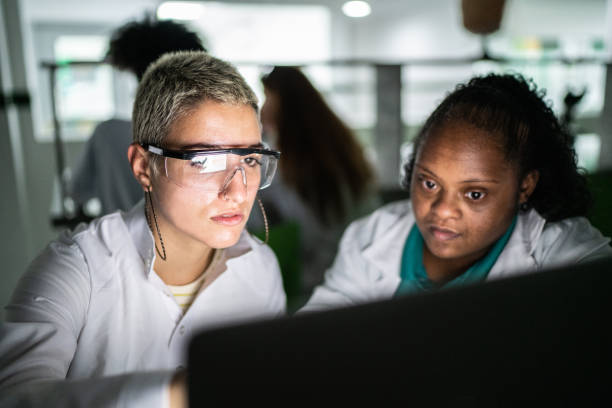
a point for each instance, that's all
(213, 169)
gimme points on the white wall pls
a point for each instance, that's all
(412, 29)
(554, 17)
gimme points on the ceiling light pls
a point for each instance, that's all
(356, 8)
(179, 10)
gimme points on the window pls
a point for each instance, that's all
(86, 90)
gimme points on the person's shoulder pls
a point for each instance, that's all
(114, 124)
(571, 229)
(63, 249)
(396, 208)
(69, 240)
(99, 241)
(63, 263)
(251, 249)
(112, 128)
(572, 239)
(380, 220)
(100, 229)
(385, 215)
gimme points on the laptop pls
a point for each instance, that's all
(541, 337)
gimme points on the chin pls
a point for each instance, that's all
(443, 251)
(224, 240)
(445, 254)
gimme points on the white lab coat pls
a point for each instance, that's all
(367, 266)
(91, 310)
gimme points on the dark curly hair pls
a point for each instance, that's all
(512, 108)
(137, 44)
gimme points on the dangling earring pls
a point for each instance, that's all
(161, 241)
(524, 206)
(265, 218)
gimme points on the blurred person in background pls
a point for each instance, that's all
(103, 170)
(325, 180)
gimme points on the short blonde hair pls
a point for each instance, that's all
(178, 82)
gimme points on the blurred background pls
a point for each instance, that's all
(382, 66)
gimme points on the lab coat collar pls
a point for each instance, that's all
(242, 257)
(517, 256)
(532, 226)
(139, 230)
(384, 247)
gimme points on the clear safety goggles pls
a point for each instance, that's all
(213, 169)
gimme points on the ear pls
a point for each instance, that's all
(139, 160)
(528, 184)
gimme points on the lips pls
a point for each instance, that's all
(443, 234)
(228, 219)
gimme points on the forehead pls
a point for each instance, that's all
(464, 146)
(217, 124)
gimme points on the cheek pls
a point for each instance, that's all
(487, 225)
(182, 205)
(420, 205)
(481, 224)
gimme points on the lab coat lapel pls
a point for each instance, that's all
(384, 251)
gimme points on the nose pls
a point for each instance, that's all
(234, 188)
(445, 206)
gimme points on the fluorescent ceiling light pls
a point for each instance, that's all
(179, 10)
(356, 8)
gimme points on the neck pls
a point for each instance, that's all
(186, 258)
(182, 265)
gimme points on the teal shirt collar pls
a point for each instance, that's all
(414, 277)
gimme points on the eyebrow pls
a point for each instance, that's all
(204, 146)
(462, 181)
